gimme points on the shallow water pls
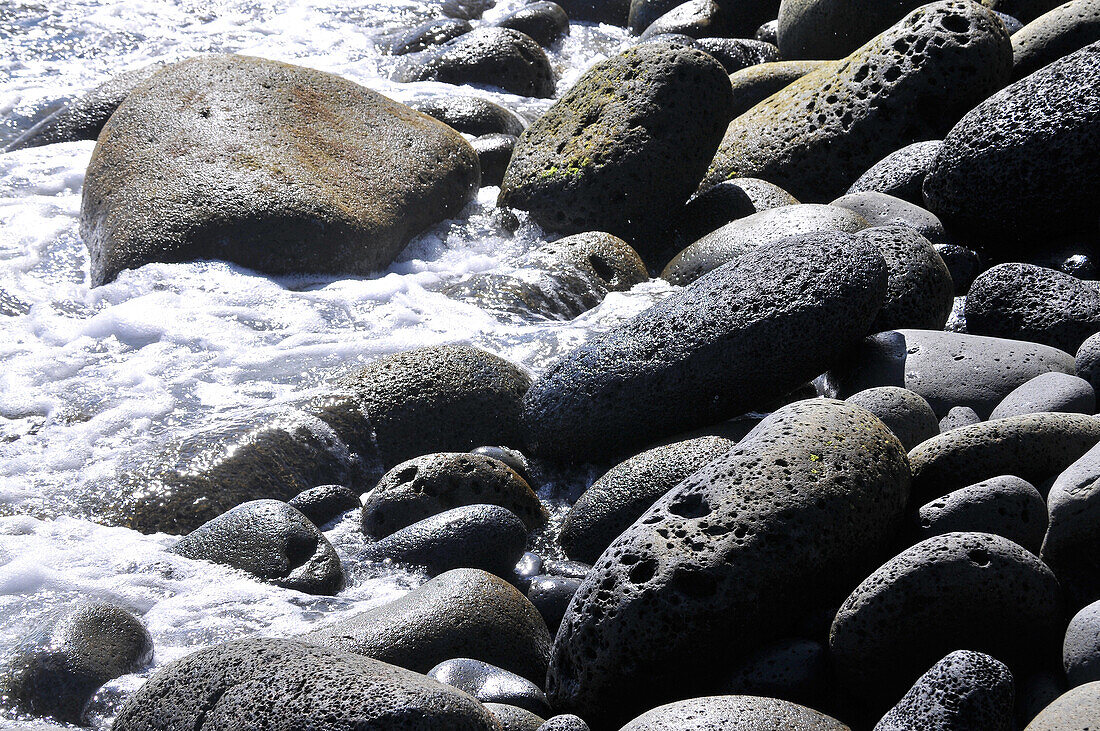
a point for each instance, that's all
(95, 380)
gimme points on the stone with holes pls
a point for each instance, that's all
(513, 718)
(324, 503)
(564, 722)
(1049, 392)
(901, 173)
(1005, 505)
(1054, 34)
(905, 413)
(959, 416)
(733, 713)
(920, 293)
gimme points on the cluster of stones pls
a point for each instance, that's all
(850, 465)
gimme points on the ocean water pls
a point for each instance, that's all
(95, 380)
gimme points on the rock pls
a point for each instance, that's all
(694, 19)
(324, 503)
(733, 713)
(466, 9)
(544, 21)
(880, 209)
(903, 412)
(920, 293)
(431, 33)
(1072, 541)
(486, 537)
(965, 690)
(278, 684)
(1034, 447)
(964, 265)
(1023, 163)
(490, 684)
(1075, 710)
(428, 485)
(972, 590)
(1054, 34)
(644, 12)
(794, 670)
(56, 667)
(551, 595)
(169, 181)
(957, 417)
(84, 117)
(1012, 25)
(830, 29)
(473, 115)
(527, 568)
(900, 173)
(730, 342)
(631, 139)
(512, 718)
(613, 12)
(1087, 360)
(1049, 392)
(462, 613)
(947, 369)
(724, 562)
(756, 83)
(493, 153)
(499, 58)
(1036, 691)
(511, 457)
(1081, 648)
(270, 540)
(1022, 10)
(768, 32)
(725, 202)
(1027, 302)
(757, 231)
(564, 722)
(1005, 506)
(911, 82)
(624, 492)
(738, 53)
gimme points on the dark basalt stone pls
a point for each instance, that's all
(723, 203)
(551, 595)
(880, 209)
(1072, 543)
(901, 173)
(1005, 506)
(613, 12)
(1054, 34)
(1024, 11)
(513, 718)
(564, 722)
(903, 412)
(964, 265)
(493, 153)
(431, 33)
(795, 670)
(754, 84)
(957, 417)
(694, 19)
(490, 684)
(833, 29)
(544, 21)
(1049, 392)
(920, 293)
(324, 503)
(738, 53)
(1081, 648)
(473, 115)
(733, 713)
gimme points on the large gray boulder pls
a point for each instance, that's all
(901, 173)
(733, 713)
(275, 167)
(1054, 34)
(500, 58)
(1072, 543)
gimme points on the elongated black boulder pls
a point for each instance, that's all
(1054, 34)
(1004, 505)
(500, 58)
(901, 173)
(745, 334)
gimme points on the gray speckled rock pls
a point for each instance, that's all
(428, 485)
(544, 21)
(500, 58)
(169, 181)
(512, 718)
(725, 202)
(756, 83)
(724, 562)
(693, 19)
(551, 595)
(1027, 302)
(910, 83)
(732, 341)
(757, 231)
(964, 265)
(733, 713)
(462, 613)
(965, 690)
(1054, 34)
(738, 53)
(901, 173)
(959, 416)
(1023, 164)
(881, 209)
(947, 369)
(283, 684)
(1081, 648)
(493, 153)
(564, 722)
(1006, 506)
(1075, 710)
(624, 492)
(270, 540)
(490, 684)
(972, 590)
(431, 33)
(473, 115)
(1023, 11)
(831, 29)
(905, 413)
(324, 503)
(1072, 543)
(768, 32)
(55, 668)
(794, 670)
(920, 293)
(1049, 392)
(1087, 360)
(631, 139)
(734, 18)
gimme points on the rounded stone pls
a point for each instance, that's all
(473, 115)
(512, 718)
(270, 540)
(1049, 392)
(964, 265)
(909, 83)
(613, 12)
(1023, 11)
(490, 684)
(832, 29)
(1081, 648)
(428, 485)
(170, 182)
(623, 493)
(631, 139)
(528, 567)
(324, 503)
(973, 590)
(462, 613)
(903, 412)
(465, 9)
(544, 21)
(745, 334)
(1072, 543)
(493, 153)
(768, 32)
(1005, 506)
(644, 12)
(500, 58)
(1087, 360)
(693, 19)
(282, 684)
(733, 713)
(1055, 34)
(959, 416)
(566, 569)
(728, 201)
(431, 33)
(1075, 710)
(564, 722)
(920, 293)
(738, 53)
(754, 84)
(551, 595)
(901, 173)
(795, 670)
(881, 209)
(511, 457)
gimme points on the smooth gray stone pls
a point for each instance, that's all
(490, 684)
(733, 713)
(1006, 506)
(512, 718)
(1075, 710)
(903, 412)
(493, 153)
(473, 115)
(499, 58)
(959, 416)
(1087, 360)
(544, 21)
(551, 595)
(1059, 392)
(901, 173)
(756, 83)
(882, 209)
(1081, 648)
(1072, 543)
(1054, 34)
(728, 201)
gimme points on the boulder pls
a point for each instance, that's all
(738, 53)
(493, 153)
(880, 209)
(1072, 544)
(1054, 34)
(733, 713)
(1075, 710)
(964, 265)
(324, 503)
(756, 83)
(544, 21)
(1081, 648)
(490, 684)
(832, 29)
(564, 722)
(473, 115)
(725, 202)
(1087, 360)
(920, 293)
(426, 35)
(1005, 506)
(901, 173)
(1049, 392)
(903, 412)
(498, 58)
(693, 19)
(551, 595)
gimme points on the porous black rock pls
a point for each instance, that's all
(551, 595)
(756, 83)
(771, 319)
(324, 503)
(511, 457)
(964, 265)
(473, 115)
(490, 684)
(1075, 710)
(901, 173)
(1049, 392)
(1004, 505)
(613, 12)
(727, 201)
(1054, 34)
(431, 33)
(793, 669)
(738, 53)
(903, 412)
(500, 58)
(1081, 647)
(1072, 544)
(493, 153)
(564, 722)
(733, 713)
(882, 209)
(920, 293)
(543, 20)
(831, 29)
(270, 540)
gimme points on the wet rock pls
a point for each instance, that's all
(901, 173)
(324, 503)
(55, 668)
(276, 683)
(725, 202)
(957, 417)
(768, 32)
(624, 492)
(170, 182)
(466, 9)
(551, 595)
(723, 563)
(965, 690)
(1049, 392)
(733, 713)
(270, 540)
(903, 412)
(754, 84)
(1027, 302)
(500, 58)
(738, 53)
(644, 12)
(1055, 34)
(1023, 163)
(911, 82)
(794, 670)
(971, 590)
(527, 568)
(964, 265)
(1075, 710)
(658, 374)
(1081, 648)
(947, 369)
(880, 209)
(462, 613)
(757, 231)
(694, 19)
(428, 485)
(512, 718)
(613, 12)
(920, 293)
(1005, 506)
(1072, 543)
(544, 21)
(564, 722)
(493, 153)
(490, 684)
(511, 457)
(431, 33)
(566, 569)
(473, 115)
(631, 139)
